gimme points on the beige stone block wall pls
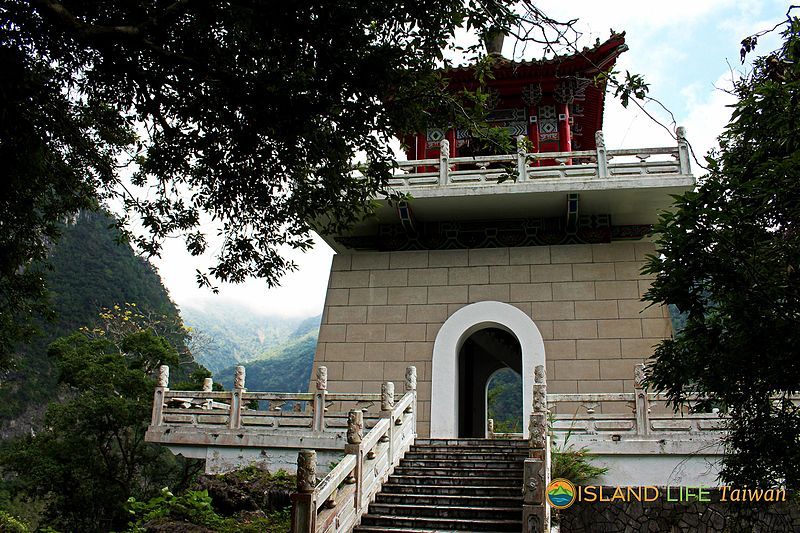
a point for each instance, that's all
(383, 311)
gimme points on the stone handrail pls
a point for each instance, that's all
(524, 166)
(341, 472)
(337, 502)
(230, 409)
(641, 420)
(536, 470)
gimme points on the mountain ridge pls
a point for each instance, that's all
(234, 334)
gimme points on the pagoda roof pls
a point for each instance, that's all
(585, 63)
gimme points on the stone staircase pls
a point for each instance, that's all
(452, 485)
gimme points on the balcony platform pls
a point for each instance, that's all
(629, 186)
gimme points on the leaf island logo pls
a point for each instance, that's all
(560, 493)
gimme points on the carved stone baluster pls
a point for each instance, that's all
(162, 386)
(538, 422)
(208, 386)
(522, 164)
(319, 399)
(444, 162)
(304, 508)
(683, 151)
(322, 378)
(235, 414)
(355, 434)
(387, 408)
(642, 403)
(411, 385)
(387, 396)
(411, 378)
(536, 473)
(163, 376)
(355, 426)
(602, 159)
(306, 471)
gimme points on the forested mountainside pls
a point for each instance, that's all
(76, 407)
(505, 401)
(285, 368)
(234, 334)
(90, 271)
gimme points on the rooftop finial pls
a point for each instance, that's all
(493, 41)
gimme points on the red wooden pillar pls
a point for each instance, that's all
(421, 141)
(564, 139)
(533, 131)
(451, 138)
(421, 149)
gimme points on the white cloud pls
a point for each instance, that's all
(302, 292)
(645, 17)
(708, 114)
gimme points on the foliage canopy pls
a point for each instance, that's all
(91, 455)
(729, 258)
(242, 116)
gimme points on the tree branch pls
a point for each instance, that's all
(55, 11)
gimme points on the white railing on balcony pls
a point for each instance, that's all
(375, 441)
(336, 503)
(528, 166)
(620, 413)
(260, 412)
(634, 414)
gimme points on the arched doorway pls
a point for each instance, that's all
(445, 372)
(482, 354)
(504, 400)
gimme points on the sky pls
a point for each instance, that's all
(687, 50)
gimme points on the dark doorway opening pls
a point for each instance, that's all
(483, 353)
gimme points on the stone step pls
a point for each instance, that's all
(461, 463)
(446, 511)
(439, 524)
(452, 485)
(457, 455)
(484, 499)
(455, 480)
(430, 448)
(454, 470)
(422, 489)
(390, 529)
(485, 443)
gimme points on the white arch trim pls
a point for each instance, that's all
(444, 369)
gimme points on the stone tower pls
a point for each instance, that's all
(480, 272)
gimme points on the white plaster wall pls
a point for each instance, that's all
(221, 460)
(659, 470)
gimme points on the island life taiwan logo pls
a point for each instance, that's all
(560, 493)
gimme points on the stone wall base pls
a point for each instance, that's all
(664, 516)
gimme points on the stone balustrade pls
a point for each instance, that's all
(243, 409)
(233, 428)
(639, 413)
(337, 502)
(525, 166)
